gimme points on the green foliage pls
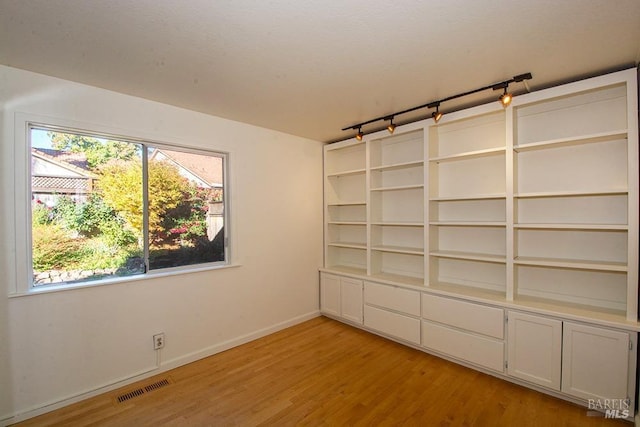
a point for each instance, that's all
(116, 234)
(93, 218)
(41, 214)
(101, 254)
(53, 248)
(104, 232)
(98, 152)
(65, 213)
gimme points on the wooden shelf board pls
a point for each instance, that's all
(615, 318)
(467, 291)
(352, 245)
(354, 203)
(469, 223)
(398, 279)
(544, 194)
(496, 196)
(398, 223)
(346, 270)
(398, 187)
(346, 173)
(403, 165)
(347, 222)
(471, 256)
(576, 140)
(469, 155)
(556, 226)
(572, 263)
(398, 249)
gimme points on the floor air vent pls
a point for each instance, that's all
(143, 390)
(130, 395)
(156, 385)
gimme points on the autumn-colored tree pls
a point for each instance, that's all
(120, 185)
(97, 151)
(167, 190)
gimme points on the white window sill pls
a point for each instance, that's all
(45, 289)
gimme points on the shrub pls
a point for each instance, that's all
(40, 214)
(116, 234)
(94, 218)
(54, 249)
(101, 255)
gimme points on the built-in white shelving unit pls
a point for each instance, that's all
(505, 239)
(346, 209)
(575, 191)
(467, 201)
(396, 197)
(437, 234)
(535, 202)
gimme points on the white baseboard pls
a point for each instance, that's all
(226, 345)
(163, 367)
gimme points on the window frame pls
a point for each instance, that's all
(23, 207)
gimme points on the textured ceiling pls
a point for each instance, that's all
(310, 68)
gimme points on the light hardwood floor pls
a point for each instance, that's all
(325, 373)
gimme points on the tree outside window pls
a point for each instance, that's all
(89, 215)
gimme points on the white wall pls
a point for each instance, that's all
(56, 346)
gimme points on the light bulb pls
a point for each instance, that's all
(391, 127)
(506, 98)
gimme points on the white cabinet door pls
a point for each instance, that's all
(351, 299)
(535, 349)
(341, 297)
(595, 363)
(330, 294)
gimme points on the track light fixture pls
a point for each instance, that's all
(506, 97)
(390, 127)
(505, 100)
(436, 115)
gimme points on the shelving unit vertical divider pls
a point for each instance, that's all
(510, 180)
(367, 189)
(428, 182)
(633, 200)
(426, 204)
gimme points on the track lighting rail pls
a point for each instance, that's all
(505, 99)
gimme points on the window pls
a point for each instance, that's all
(103, 208)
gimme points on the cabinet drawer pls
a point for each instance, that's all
(475, 349)
(392, 297)
(464, 315)
(393, 324)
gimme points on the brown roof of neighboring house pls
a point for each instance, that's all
(207, 168)
(73, 161)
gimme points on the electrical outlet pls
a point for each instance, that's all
(158, 341)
